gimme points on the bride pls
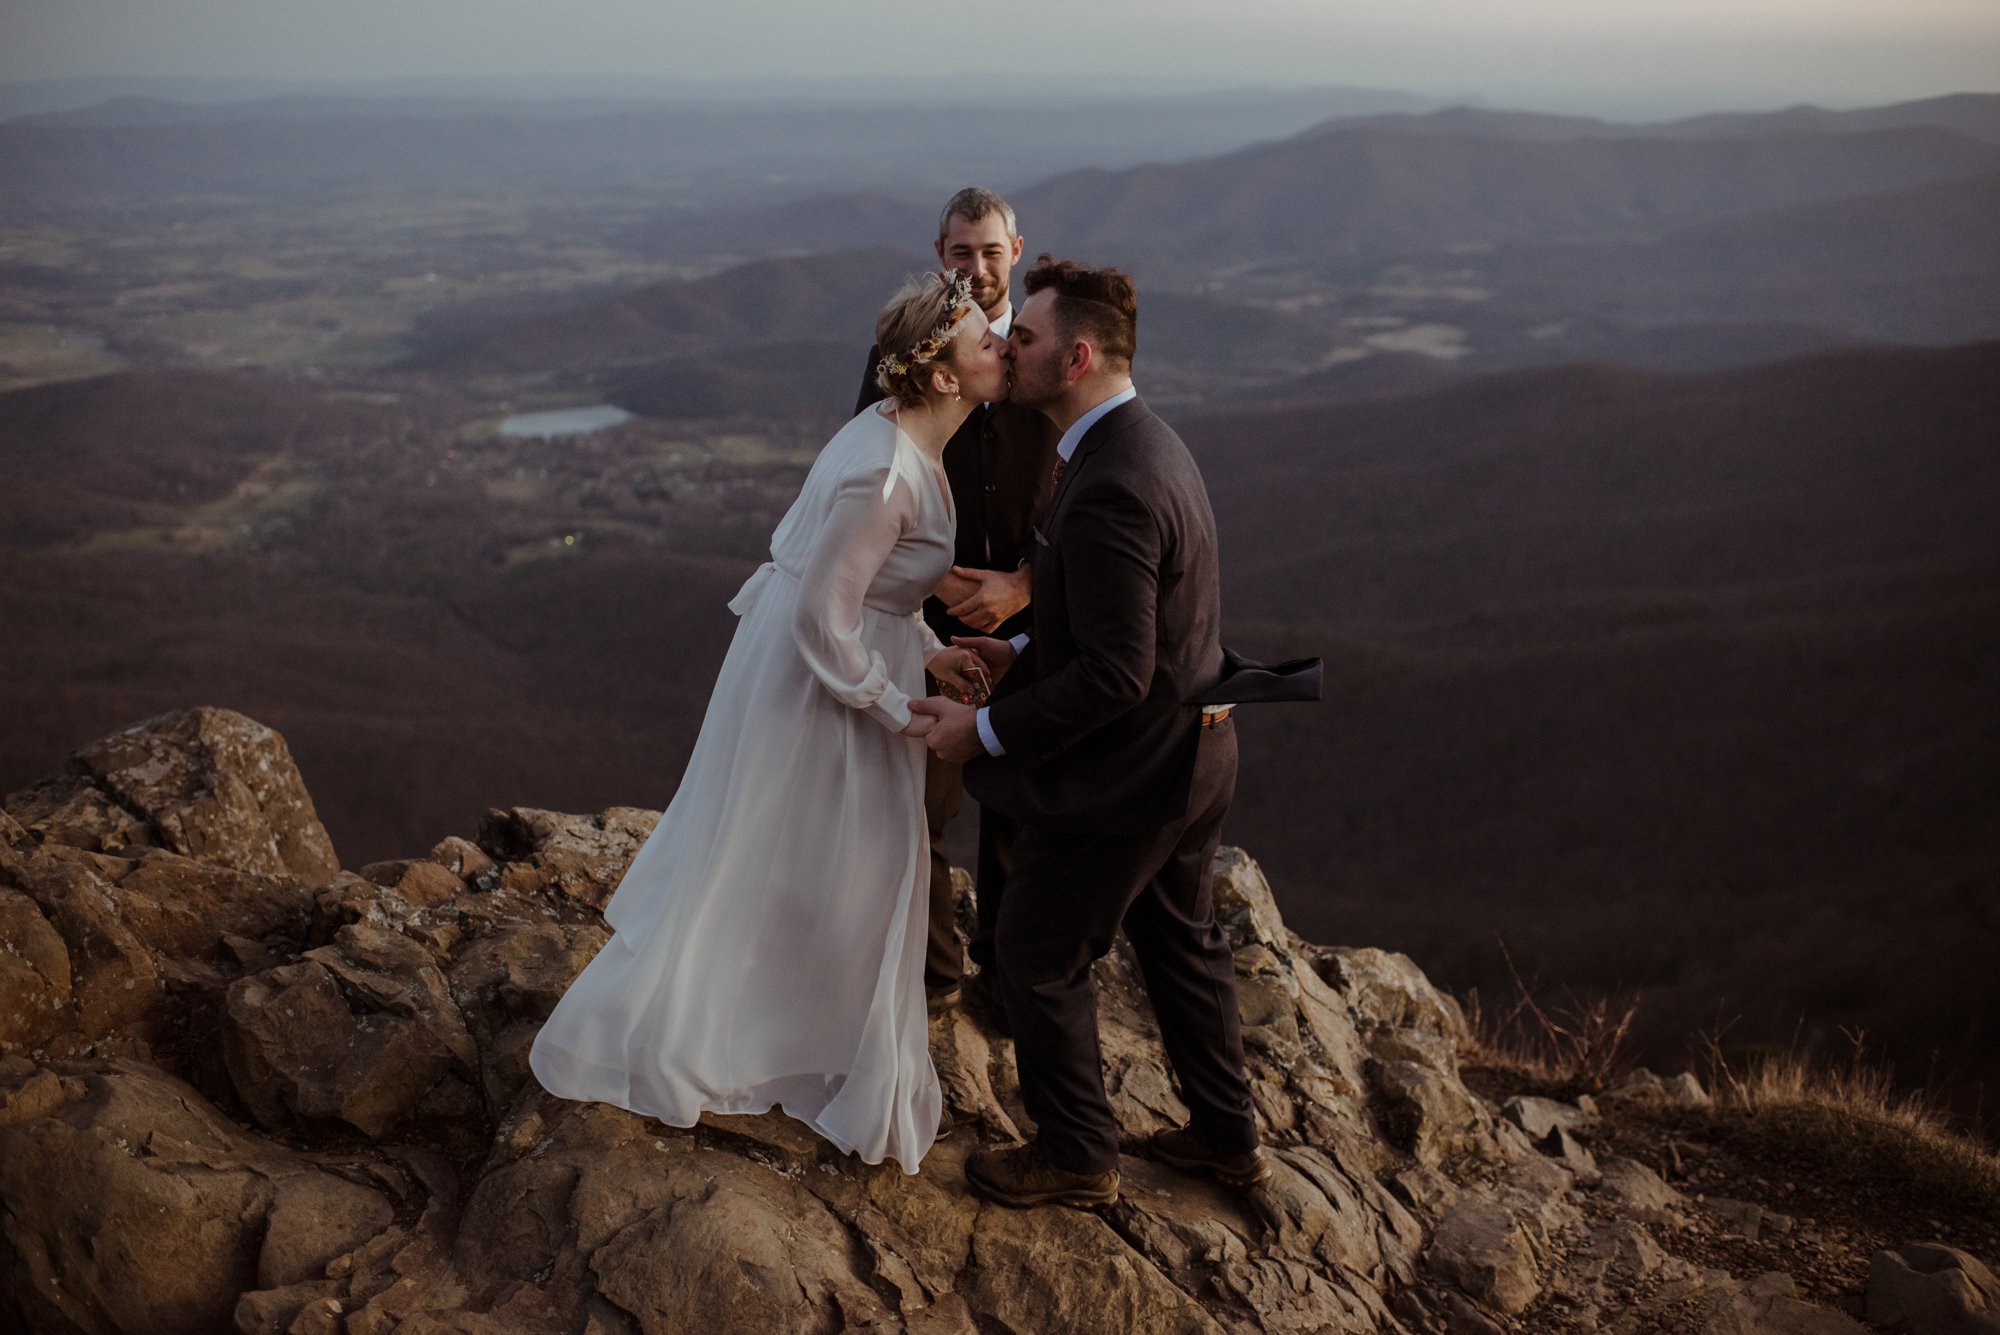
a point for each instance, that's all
(769, 936)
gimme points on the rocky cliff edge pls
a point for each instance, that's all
(244, 1089)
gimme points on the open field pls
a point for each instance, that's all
(325, 288)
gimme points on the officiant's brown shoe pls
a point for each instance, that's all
(1019, 1177)
(1182, 1149)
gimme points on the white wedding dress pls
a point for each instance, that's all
(770, 934)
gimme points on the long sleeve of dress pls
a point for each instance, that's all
(860, 530)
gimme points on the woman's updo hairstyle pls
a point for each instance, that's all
(914, 333)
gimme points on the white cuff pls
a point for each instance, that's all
(986, 736)
(1019, 642)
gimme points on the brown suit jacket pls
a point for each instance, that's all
(1127, 611)
(999, 465)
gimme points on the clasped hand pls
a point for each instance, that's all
(959, 668)
(950, 729)
(955, 667)
(982, 599)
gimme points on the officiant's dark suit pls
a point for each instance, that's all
(1119, 786)
(998, 465)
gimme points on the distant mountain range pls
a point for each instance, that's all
(1358, 185)
(1328, 198)
(255, 99)
(1673, 253)
(1975, 114)
(136, 150)
(1920, 263)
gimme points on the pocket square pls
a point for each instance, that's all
(1245, 681)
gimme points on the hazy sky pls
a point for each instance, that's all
(1525, 52)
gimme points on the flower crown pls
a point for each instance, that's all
(959, 290)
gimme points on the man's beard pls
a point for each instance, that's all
(990, 300)
(1027, 391)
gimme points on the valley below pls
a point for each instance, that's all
(1640, 499)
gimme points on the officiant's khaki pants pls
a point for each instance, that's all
(944, 794)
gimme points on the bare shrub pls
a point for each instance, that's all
(1575, 1042)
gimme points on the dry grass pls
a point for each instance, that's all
(1846, 1123)
(1572, 1044)
(1851, 1119)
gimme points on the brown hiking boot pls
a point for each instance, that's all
(1020, 1177)
(1184, 1150)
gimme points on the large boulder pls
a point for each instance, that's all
(363, 1031)
(178, 854)
(1934, 1289)
(582, 857)
(133, 1205)
(208, 784)
(34, 975)
(1482, 1249)
(136, 944)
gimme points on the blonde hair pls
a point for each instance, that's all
(915, 331)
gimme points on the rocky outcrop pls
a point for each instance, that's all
(245, 1090)
(1934, 1289)
(204, 783)
(133, 1204)
(182, 853)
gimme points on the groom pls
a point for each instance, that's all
(1118, 784)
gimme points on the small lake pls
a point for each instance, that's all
(565, 421)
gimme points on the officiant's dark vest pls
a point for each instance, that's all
(999, 465)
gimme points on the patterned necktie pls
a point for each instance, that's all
(1061, 463)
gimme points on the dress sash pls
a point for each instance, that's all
(746, 597)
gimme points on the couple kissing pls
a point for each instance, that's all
(1000, 577)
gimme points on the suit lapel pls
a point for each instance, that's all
(1108, 427)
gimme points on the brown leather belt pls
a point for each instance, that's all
(1210, 718)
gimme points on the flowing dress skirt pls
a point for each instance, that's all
(770, 934)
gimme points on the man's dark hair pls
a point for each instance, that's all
(1100, 306)
(972, 204)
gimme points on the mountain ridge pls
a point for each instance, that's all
(1976, 114)
(1364, 189)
